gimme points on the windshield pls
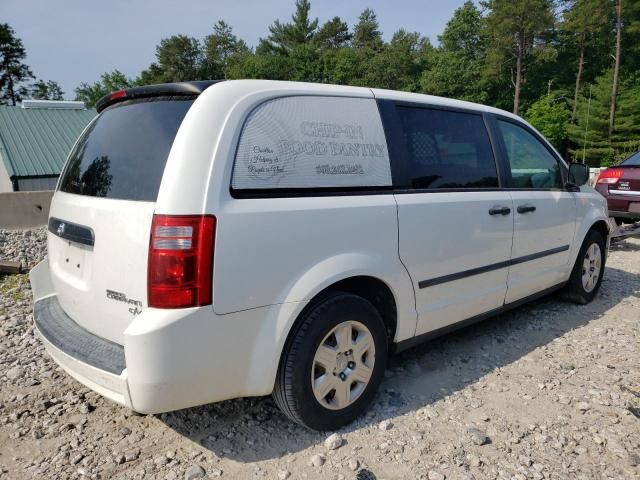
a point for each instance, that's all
(632, 160)
(122, 154)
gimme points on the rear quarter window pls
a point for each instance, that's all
(122, 154)
(444, 149)
(308, 142)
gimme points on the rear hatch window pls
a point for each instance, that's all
(122, 154)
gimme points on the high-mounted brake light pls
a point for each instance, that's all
(118, 94)
(610, 175)
(180, 270)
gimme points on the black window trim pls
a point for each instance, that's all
(390, 121)
(504, 159)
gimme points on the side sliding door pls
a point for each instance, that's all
(455, 222)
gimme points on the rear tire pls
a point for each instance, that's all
(333, 363)
(588, 270)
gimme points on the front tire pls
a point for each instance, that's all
(333, 363)
(588, 270)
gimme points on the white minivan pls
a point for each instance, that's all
(213, 240)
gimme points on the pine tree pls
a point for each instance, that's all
(589, 135)
(284, 37)
(333, 34)
(219, 47)
(625, 138)
(366, 33)
(12, 70)
(49, 90)
(454, 69)
(518, 31)
(585, 27)
(600, 148)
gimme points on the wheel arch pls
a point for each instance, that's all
(592, 221)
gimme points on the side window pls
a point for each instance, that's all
(531, 163)
(312, 142)
(447, 149)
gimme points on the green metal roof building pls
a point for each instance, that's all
(35, 139)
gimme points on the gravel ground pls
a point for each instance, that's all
(548, 391)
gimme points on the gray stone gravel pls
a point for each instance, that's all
(25, 246)
(554, 388)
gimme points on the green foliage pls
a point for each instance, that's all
(109, 82)
(219, 48)
(508, 54)
(589, 135)
(367, 33)
(284, 37)
(49, 90)
(519, 34)
(550, 115)
(13, 72)
(178, 58)
(626, 130)
(333, 34)
(455, 69)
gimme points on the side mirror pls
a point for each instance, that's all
(578, 174)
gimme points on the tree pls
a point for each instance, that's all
(625, 138)
(397, 66)
(179, 59)
(366, 33)
(219, 47)
(333, 34)
(616, 67)
(518, 30)
(284, 37)
(109, 82)
(585, 27)
(265, 66)
(550, 115)
(12, 69)
(455, 68)
(49, 90)
(589, 135)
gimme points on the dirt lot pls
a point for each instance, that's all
(549, 391)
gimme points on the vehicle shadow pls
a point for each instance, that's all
(249, 430)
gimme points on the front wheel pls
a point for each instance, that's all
(588, 270)
(333, 364)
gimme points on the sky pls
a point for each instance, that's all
(74, 41)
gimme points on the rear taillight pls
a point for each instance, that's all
(610, 175)
(180, 271)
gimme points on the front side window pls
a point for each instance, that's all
(531, 163)
(446, 149)
(306, 142)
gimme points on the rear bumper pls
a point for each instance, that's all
(171, 359)
(93, 361)
(100, 370)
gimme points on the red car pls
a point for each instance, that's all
(620, 185)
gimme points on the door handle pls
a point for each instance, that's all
(499, 211)
(526, 208)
